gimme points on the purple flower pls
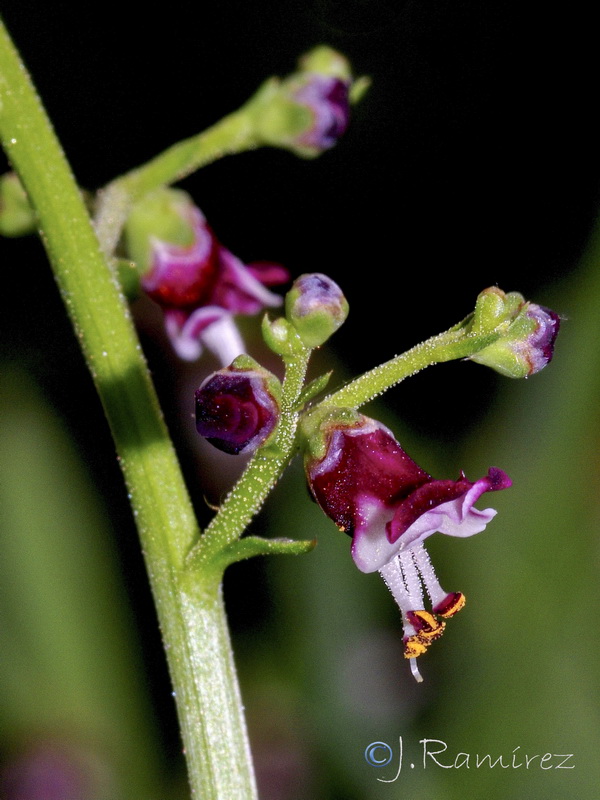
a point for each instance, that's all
(237, 408)
(201, 287)
(376, 493)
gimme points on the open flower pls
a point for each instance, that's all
(365, 482)
(198, 282)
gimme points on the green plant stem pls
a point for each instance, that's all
(232, 134)
(261, 474)
(190, 611)
(447, 346)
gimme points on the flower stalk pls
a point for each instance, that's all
(453, 344)
(232, 134)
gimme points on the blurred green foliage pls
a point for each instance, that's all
(70, 676)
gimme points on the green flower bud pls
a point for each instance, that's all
(316, 307)
(528, 333)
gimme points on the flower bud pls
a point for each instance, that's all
(308, 111)
(316, 307)
(17, 218)
(173, 247)
(528, 333)
(237, 408)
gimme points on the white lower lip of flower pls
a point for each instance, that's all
(371, 549)
(220, 336)
(223, 339)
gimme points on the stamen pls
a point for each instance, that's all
(403, 584)
(412, 581)
(428, 576)
(427, 627)
(414, 646)
(450, 605)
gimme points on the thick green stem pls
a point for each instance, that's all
(190, 613)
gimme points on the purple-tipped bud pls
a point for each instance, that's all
(327, 101)
(308, 111)
(237, 408)
(528, 333)
(316, 307)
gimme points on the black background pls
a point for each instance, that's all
(472, 160)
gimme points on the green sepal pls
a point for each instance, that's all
(281, 121)
(495, 308)
(281, 337)
(326, 61)
(358, 89)
(163, 215)
(315, 427)
(508, 355)
(250, 546)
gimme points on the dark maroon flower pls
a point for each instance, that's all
(237, 408)
(376, 493)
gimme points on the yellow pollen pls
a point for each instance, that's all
(428, 627)
(457, 604)
(432, 635)
(414, 647)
